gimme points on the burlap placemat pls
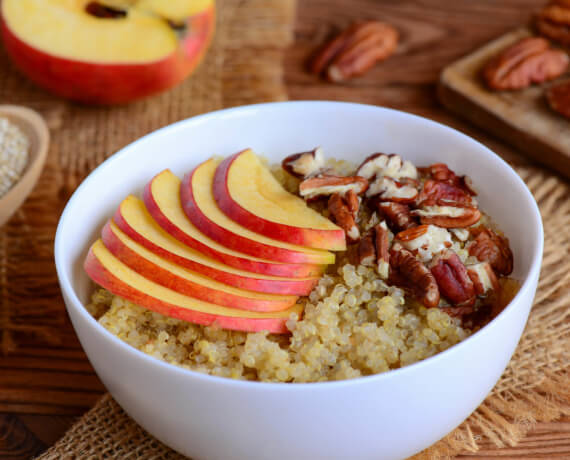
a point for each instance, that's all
(535, 386)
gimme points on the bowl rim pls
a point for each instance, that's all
(69, 291)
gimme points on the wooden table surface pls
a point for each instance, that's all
(434, 33)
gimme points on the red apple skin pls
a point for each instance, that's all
(98, 273)
(230, 239)
(246, 281)
(314, 238)
(265, 268)
(176, 283)
(103, 84)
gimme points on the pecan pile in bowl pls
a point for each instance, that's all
(420, 228)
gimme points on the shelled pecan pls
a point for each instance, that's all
(553, 21)
(382, 245)
(392, 165)
(413, 275)
(304, 164)
(452, 279)
(366, 250)
(440, 172)
(443, 194)
(448, 216)
(324, 185)
(343, 216)
(558, 97)
(483, 277)
(492, 248)
(398, 216)
(355, 50)
(388, 189)
(531, 60)
(425, 241)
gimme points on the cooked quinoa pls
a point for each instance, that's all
(353, 325)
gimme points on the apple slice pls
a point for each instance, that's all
(184, 281)
(133, 218)
(107, 51)
(201, 208)
(247, 193)
(162, 199)
(110, 273)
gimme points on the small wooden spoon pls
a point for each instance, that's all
(34, 127)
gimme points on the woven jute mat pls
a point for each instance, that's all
(535, 386)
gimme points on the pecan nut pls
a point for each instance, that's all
(448, 216)
(425, 241)
(483, 278)
(531, 60)
(304, 164)
(492, 248)
(367, 251)
(553, 21)
(453, 280)
(382, 244)
(388, 189)
(558, 97)
(355, 50)
(381, 164)
(413, 275)
(342, 215)
(324, 185)
(398, 216)
(440, 172)
(443, 194)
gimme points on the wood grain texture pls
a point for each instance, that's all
(45, 379)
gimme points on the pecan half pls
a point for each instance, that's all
(414, 276)
(425, 241)
(355, 50)
(388, 189)
(529, 61)
(441, 173)
(443, 194)
(324, 185)
(452, 278)
(492, 248)
(381, 164)
(367, 251)
(342, 215)
(483, 277)
(558, 97)
(553, 21)
(398, 216)
(448, 216)
(304, 164)
(382, 244)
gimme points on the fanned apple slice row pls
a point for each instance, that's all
(133, 218)
(162, 199)
(110, 273)
(184, 281)
(249, 194)
(201, 208)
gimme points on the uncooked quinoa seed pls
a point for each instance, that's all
(14, 147)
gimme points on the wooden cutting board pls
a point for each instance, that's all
(521, 118)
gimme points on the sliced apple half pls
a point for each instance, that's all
(249, 194)
(201, 208)
(184, 281)
(162, 199)
(133, 218)
(107, 51)
(109, 272)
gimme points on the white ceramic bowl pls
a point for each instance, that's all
(387, 416)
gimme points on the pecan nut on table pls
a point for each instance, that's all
(355, 50)
(420, 228)
(531, 60)
(553, 21)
